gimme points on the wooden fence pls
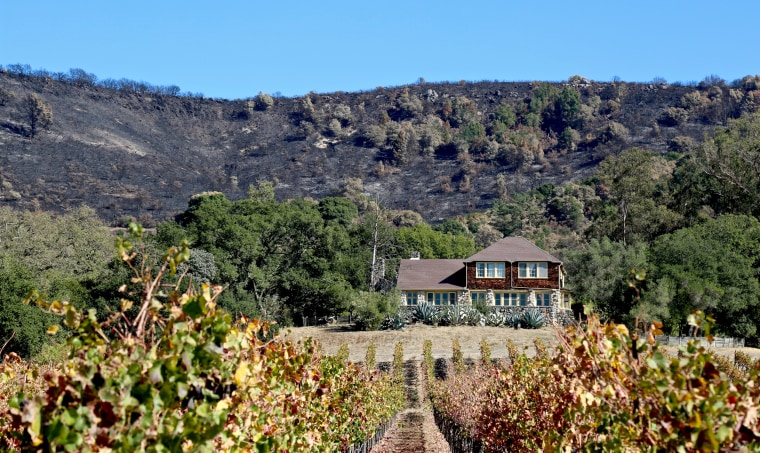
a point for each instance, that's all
(718, 342)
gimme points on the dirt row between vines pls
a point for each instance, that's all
(414, 430)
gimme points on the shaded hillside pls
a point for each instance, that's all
(438, 149)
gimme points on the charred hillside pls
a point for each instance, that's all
(439, 149)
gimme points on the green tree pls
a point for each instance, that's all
(713, 266)
(506, 115)
(542, 98)
(598, 275)
(434, 244)
(634, 183)
(372, 308)
(460, 112)
(564, 112)
(275, 257)
(472, 131)
(338, 209)
(673, 116)
(407, 106)
(730, 161)
(569, 139)
(74, 246)
(22, 327)
(452, 226)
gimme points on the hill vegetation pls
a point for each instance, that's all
(128, 148)
(283, 210)
(645, 190)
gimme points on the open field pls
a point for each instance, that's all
(412, 337)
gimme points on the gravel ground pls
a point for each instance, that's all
(414, 430)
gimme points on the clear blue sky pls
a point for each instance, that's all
(234, 49)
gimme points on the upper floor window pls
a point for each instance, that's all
(489, 270)
(533, 270)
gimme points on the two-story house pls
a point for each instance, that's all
(509, 275)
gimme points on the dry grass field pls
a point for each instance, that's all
(413, 336)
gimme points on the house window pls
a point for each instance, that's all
(489, 270)
(533, 270)
(442, 298)
(510, 299)
(566, 304)
(411, 298)
(478, 297)
(544, 299)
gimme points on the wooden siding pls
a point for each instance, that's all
(552, 282)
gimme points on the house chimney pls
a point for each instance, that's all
(415, 255)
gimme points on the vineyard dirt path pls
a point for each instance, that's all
(414, 430)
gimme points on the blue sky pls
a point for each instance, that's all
(234, 49)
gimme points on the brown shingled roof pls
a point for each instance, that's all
(512, 249)
(431, 274)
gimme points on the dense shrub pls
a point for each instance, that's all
(673, 116)
(372, 308)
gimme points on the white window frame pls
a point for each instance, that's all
(441, 298)
(533, 269)
(544, 299)
(412, 298)
(511, 299)
(480, 295)
(490, 269)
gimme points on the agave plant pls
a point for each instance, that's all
(512, 319)
(495, 319)
(460, 315)
(533, 318)
(425, 313)
(446, 318)
(472, 317)
(395, 322)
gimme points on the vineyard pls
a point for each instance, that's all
(172, 372)
(603, 389)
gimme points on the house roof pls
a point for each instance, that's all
(512, 249)
(431, 274)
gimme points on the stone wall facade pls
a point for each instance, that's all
(555, 313)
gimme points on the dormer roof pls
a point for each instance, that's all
(512, 249)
